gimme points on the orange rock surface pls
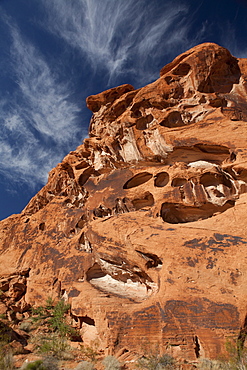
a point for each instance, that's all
(143, 227)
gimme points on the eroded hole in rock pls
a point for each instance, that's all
(178, 181)
(137, 180)
(142, 123)
(173, 119)
(81, 223)
(233, 113)
(124, 281)
(72, 233)
(95, 272)
(218, 102)
(67, 167)
(81, 165)
(143, 104)
(169, 79)
(87, 320)
(232, 157)
(152, 259)
(86, 174)
(215, 179)
(182, 69)
(42, 226)
(161, 179)
(136, 113)
(123, 205)
(147, 200)
(215, 154)
(175, 213)
(241, 173)
(119, 108)
(213, 149)
(84, 244)
(102, 211)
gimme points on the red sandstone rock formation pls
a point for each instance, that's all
(143, 227)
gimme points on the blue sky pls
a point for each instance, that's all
(54, 53)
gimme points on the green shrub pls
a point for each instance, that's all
(156, 362)
(111, 363)
(85, 365)
(6, 357)
(54, 345)
(53, 314)
(6, 360)
(25, 326)
(206, 364)
(48, 363)
(90, 353)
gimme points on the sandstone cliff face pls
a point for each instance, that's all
(143, 227)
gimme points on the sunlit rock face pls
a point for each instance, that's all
(143, 227)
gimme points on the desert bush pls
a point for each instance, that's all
(85, 365)
(6, 360)
(54, 345)
(206, 364)
(6, 357)
(48, 363)
(25, 326)
(111, 363)
(36, 365)
(156, 362)
(54, 315)
(91, 353)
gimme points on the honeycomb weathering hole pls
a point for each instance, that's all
(146, 200)
(175, 213)
(161, 179)
(215, 179)
(173, 119)
(178, 181)
(182, 69)
(137, 180)
(141, 123)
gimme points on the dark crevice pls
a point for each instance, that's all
(42, 226)
(81, 223)
(81, 165)
(87, 320)
(67, 167)
(241, 338)
(152, 259)
(197, 346)
(123, 205)
(102, 211)
(213, 149)
(95, 272)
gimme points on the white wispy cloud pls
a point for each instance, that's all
(38, 123)
(121, 36)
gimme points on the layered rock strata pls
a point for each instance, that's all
(143, 227)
